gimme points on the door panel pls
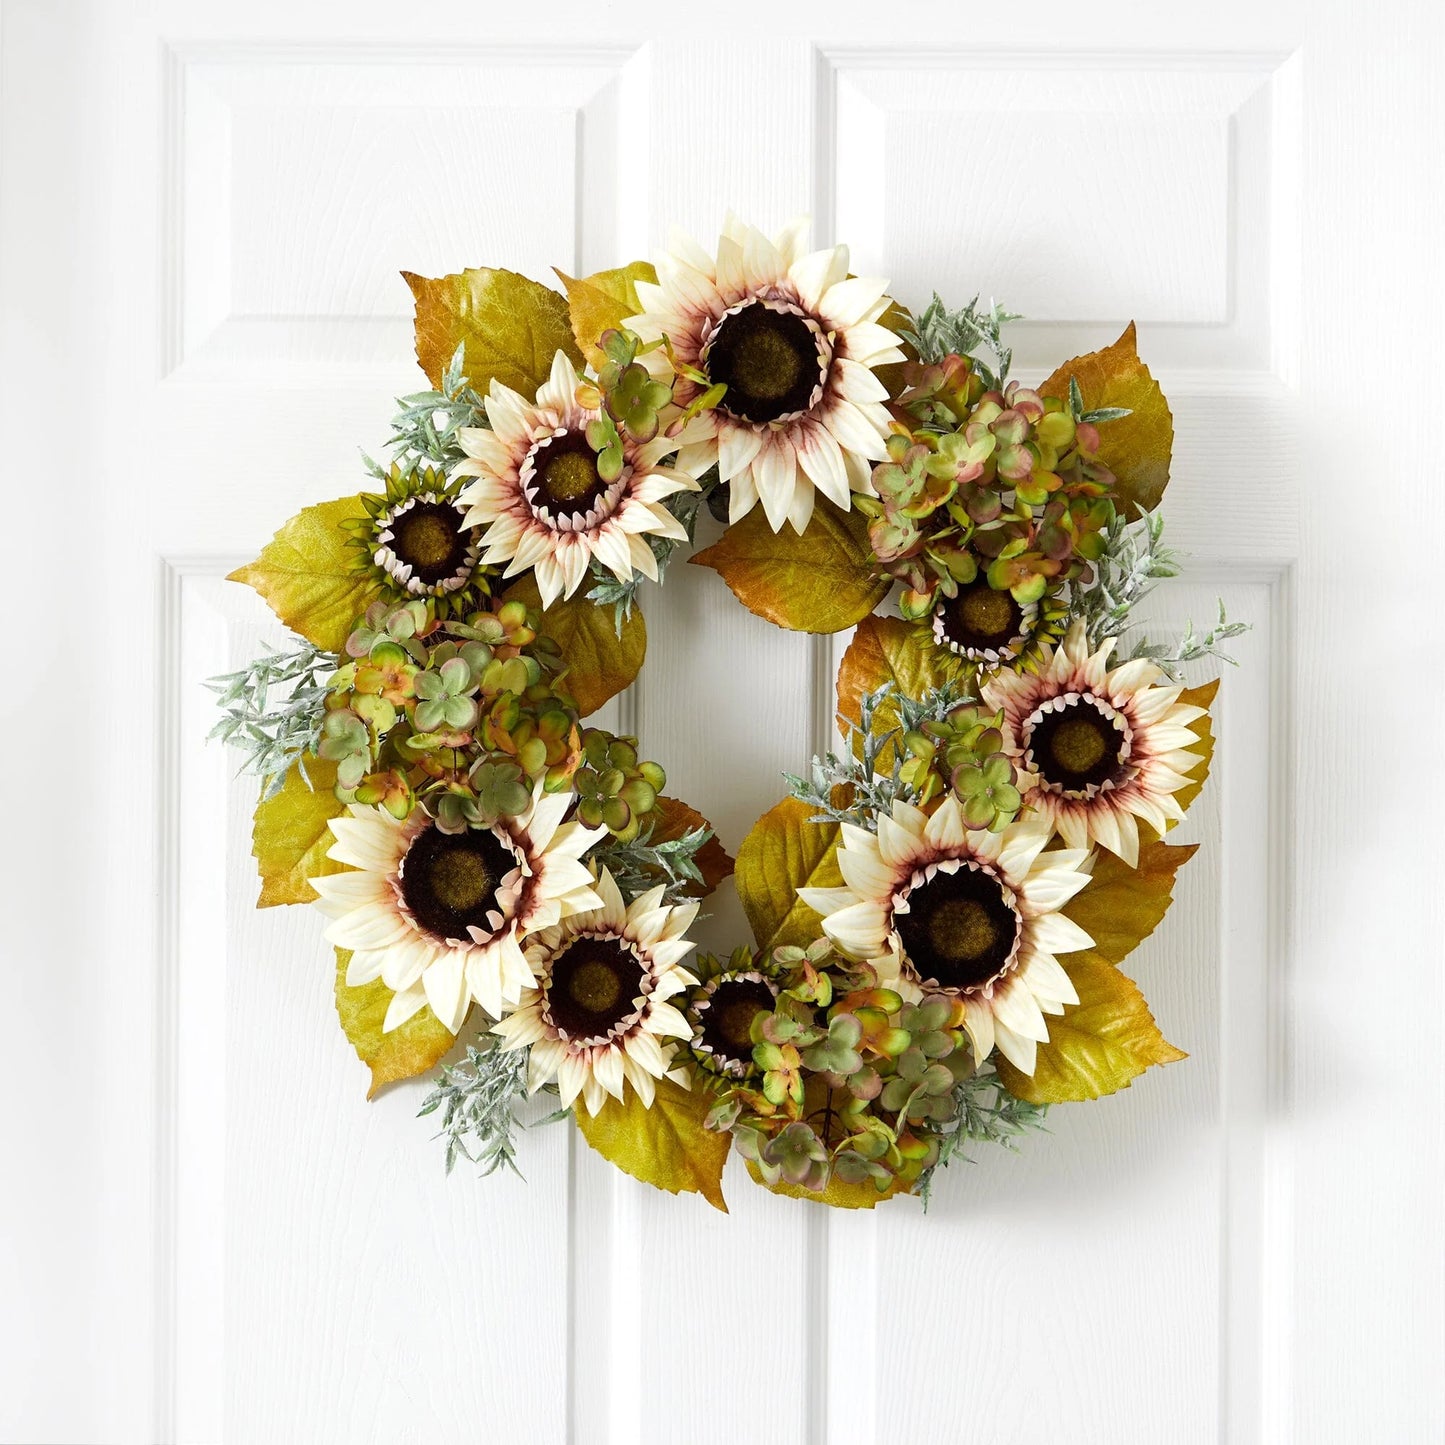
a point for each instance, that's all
(207, 209)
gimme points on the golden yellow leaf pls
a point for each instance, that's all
(887, 649)
(838, 1194)
(1203, 729)
(511, 327)
(604, 300)
(1137, 447)
(1121, 906)
(411, 1049)
(599, 662)
(674, 818)
(1099, 1046)
(782, 853)
(291, 835)
(310, 576)
(822, 581)
(665, 1146)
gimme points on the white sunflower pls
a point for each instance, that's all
(722, 1015)
(441, 918)
(1097, 749)
(985, 625)
(934, 906)
(425, 546)
(542, 501)
(598, 1016)
(795, 340)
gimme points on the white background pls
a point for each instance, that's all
(208, 1233)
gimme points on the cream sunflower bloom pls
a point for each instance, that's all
(796, 340)
(543, 503)
(441, 918)
(599, 1014)
(932, 905)
(1097, 749)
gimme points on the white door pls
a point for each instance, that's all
(209, 1234)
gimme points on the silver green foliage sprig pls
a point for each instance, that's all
(1135, 559)
(1171, 659)
(426, 424)
(1099, 413)
(272, 710)
(642, 864)
(984, 1113)
(477, 1100)
(969, 330)
(873, 788)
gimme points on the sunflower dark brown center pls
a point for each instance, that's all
(1076, 746)
(450, 880)
(768, 360)
(959, 928)
(728, 1019)
(593, 987)
(981, 617)
(567, 475)
(430, 539)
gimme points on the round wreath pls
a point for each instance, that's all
(939, 909)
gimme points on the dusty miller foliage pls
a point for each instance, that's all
(272, 711)
(426, 424)
(869, 788)
(622, 596)
(985, 1113)
(1134, 560)
(969, 331)
(477, 1100)
(643, 864)
(1099, 413)
(1171, 660)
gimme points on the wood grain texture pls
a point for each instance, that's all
(723, 702)
(216, 198)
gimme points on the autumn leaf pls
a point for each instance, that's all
(511, 328)
(838, 1194)
(599, 662)
(1203, 729)
(410, 1049)
(782, 853)
(884, 650)
(1121, 906)
(310, 575)
(822, 581)
(674, 818)
(1137, 447)
(291, 834)
(604, 300)
(665, 1146)
(1100, 1045)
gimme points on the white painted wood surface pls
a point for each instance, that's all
(208, 1234)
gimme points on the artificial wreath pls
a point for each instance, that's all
(939, 908)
